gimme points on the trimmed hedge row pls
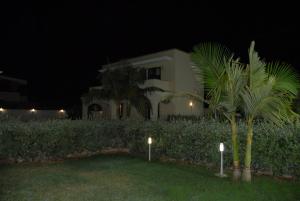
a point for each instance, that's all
(275, 149)
(56, 139)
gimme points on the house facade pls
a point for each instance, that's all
(169, 70)
(12, 91)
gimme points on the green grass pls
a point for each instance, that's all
(126, 178)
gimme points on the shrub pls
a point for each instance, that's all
(275, 149)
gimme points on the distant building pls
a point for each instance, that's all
(13, 91)
(169, 70)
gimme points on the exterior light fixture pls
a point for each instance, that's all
(149, 143)
(32, 110)
(1, 109)
(191, 105)
(61, 111)
(221, 149)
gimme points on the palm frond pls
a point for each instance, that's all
(209, 59)
(235, 81)
(265, 103)
(286, 80)
(256, 68)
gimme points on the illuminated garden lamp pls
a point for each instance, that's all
(32, 110)
(149, 143)
(1, 109)
(221, 149)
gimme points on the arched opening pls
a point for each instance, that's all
(95, 111)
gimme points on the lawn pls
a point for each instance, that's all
(112, 177)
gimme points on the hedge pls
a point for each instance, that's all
(275, 149)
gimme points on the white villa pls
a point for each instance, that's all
(169, 70)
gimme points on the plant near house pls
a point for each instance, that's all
(269, 93)
(223, 79)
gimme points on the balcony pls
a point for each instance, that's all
(165, 85)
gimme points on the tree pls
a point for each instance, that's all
(261, 90)
(124, 84)
(223, 80)
(270, 90)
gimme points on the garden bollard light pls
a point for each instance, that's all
(149, 143)
(221, 148)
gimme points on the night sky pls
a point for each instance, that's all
(58, 48)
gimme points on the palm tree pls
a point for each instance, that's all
(269, 93)
(223, 80)
(123, 84)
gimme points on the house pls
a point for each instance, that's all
(12, 91)
(169, 70)
(14, 102)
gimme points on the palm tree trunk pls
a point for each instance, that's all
(235, 149)
(247, 166)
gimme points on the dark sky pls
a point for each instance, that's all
(59, 47)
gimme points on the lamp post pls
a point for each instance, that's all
(221, 149)
(149, 143)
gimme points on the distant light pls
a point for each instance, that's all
(61, 111)
(221, 148)
(149, 140)
(1, 109)
(191, 104)
(32, 110)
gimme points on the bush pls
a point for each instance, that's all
(55, 139)
(275, 149)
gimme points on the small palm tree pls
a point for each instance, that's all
(269, 93)
(223, 80)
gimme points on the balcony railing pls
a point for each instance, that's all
(165, 85)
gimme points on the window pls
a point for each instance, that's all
(154, 73)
